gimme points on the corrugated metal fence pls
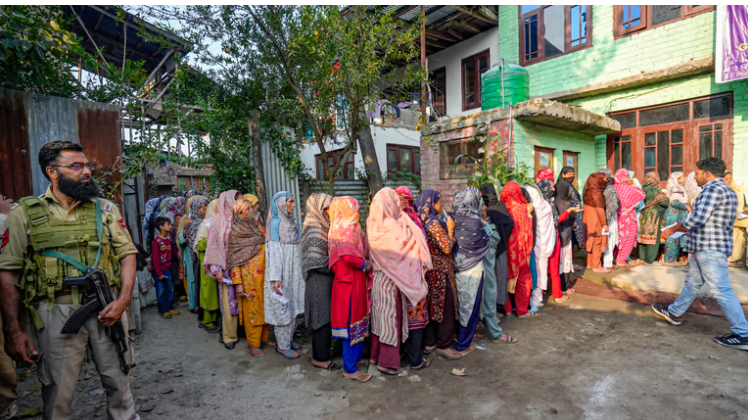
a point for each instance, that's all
(360, 191)
(277, 180)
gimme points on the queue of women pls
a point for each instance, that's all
(420, 280)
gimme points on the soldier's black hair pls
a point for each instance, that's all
(51, 151)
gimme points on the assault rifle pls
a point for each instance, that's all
(96, 297)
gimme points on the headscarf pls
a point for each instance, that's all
(426, 210)
(152, 209)
(544, 174)
(176, 208)
(692, 187)
(202, 230)
(563, 202)
(197, 218)
(628, 195)
(473, 243)
(218, 235)
(245, 240)
(565, 170)
(512, 197)
(546, 188)
(612, 203)
(280, 224)
(593, 190)
(675, 191)
(314, 252)
(164, 207)
(406, 204)
(545, 232)
(346, 236)
(191, 193)
(252, 199)
(498, 215)
(398, 246)
(654, 194)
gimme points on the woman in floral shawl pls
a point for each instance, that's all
(216, 262)
(520, 248)
(246, 263)
(316, 266)
(676, 212)
(284, 280)
(400, 259)
(651, 219)
(442, 294)
(349, 313)
(629, 196)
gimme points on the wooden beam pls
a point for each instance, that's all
(473, 13)
(468, 26)
(98, 22)
(403, 10)
(436, 44)
(489, 13)
(455, 34)
(440, 35)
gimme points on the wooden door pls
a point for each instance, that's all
(543, 158)
(572, 159)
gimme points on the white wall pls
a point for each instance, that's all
(451, 58)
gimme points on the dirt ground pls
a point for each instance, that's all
(588, 358)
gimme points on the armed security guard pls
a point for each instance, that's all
(52, 246)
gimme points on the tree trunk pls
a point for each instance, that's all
(369, 153)
(254, 133)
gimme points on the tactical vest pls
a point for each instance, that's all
(43, 274)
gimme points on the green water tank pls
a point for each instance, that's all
(516, 81)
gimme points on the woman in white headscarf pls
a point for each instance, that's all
(284, 279)
(545, 241)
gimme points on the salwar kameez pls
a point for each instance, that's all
(317, 312)
(251, 276)
(189, 273)
(490, 288)
(229, 313)
(208, 290)
(350, 322)
(442, 295)
(470, 291)
(628, 226)
(388, 330)
(283, 263)
(676, 213)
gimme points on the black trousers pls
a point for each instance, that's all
(321, 342)
(415, 347)
(441, 334)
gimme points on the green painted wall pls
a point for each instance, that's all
(527, 136)
(609, 59)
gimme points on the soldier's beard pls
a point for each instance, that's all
(77, 190)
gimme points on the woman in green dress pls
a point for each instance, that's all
(651, 220)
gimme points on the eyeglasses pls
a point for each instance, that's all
(77, 166)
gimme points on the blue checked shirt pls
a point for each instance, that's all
(710, 224)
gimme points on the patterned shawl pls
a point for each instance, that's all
(202, 230)
(280, 225)
(398, 246)
(692, 187)
(245, 240)
(407, 206)
(314, 252)
(166, 204)
(197, 218)
(544, 174)
(520, 243)
(612, 203)
(473, 243)
(546, 188)
(545, 229)
(675, 191)
(191, 193)
(346, 236)
(215, 253)
(593, 190)
(628, 195)
(654, 194)
(426, 210)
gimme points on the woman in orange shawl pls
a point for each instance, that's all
(349, 313)
(520, 248)
(595, 225)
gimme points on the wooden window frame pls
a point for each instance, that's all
(690, 135)
(537, 151)
(568, 49)
(686, 13)
(345, 173)
(433, 88)
(397, 148)
(475, 58)
(451, 165)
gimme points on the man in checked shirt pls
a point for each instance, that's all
(709, 229)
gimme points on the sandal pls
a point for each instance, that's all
(427, 350)
(477, 336)
(288, 354)
(561, 299)
(267, 344)
(449, 354)
(256, 352)
(570, 291)
(529, 315)
(330, 366)
(505, 338)
(296, 346)
(468, 350)
(389, 371)
(361, 377)
(424, 364)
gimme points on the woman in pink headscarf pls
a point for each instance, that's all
(629, 196)
(216, 265)
(400, 258)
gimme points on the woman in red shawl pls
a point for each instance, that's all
(520, 248)
(349, 313)
(595, 225)
(630, 196)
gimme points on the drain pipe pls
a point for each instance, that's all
(503, 62)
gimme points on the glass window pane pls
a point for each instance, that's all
(391, 160)
(662, 14)
(626, 155)
(627, 120)
(663, 154)
(483, 64)
(649, 139)
(617, 153)
(663, 115)
(575, 27)
(676, 136)
(531, 37)
(553, 19)
(649, 157)
(526, 9)
(676, 155)
(718, 144)
(705, 145)
(405, 160)
(713, 107)
(468, 89)
(417, 158)
(705, 128)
